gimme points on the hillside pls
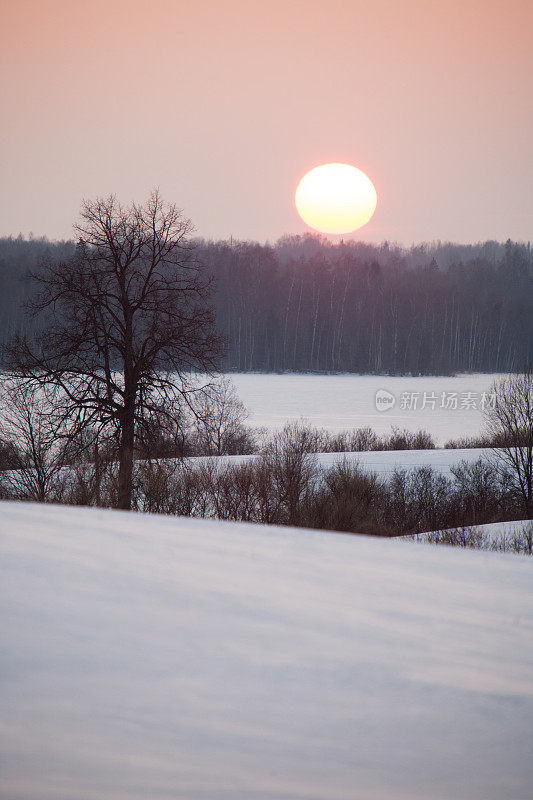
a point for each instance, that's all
(151, 657)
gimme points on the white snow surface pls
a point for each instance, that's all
(178, 659)
(491, 531)
(382, 462)
(342, 402)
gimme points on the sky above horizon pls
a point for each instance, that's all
(225, 105)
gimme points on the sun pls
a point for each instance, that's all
(336, 198)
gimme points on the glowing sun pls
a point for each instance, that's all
(335, 198)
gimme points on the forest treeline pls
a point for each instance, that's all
(306, 304)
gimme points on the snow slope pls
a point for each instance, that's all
(150, 657)
(491, 533)
(382, 462)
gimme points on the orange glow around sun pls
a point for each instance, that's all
(335, 198)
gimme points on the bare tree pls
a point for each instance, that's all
(219, 421)
(289, 462)
(30, 430)
(124, 323)
(510, 423)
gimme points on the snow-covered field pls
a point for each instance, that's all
(491, 530)
(340, 402)
(382, 462)
(150, 657)
(504, 536)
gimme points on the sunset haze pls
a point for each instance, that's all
(225, 105)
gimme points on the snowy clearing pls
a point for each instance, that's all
(342, 402)
(155, 657)
(491, 530)
(515, 536)
(382, 462)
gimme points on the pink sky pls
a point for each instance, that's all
(225, 105)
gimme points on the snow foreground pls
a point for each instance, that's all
(155, 657)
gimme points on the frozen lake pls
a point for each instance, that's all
(448, 407)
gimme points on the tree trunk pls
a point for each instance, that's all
(127, 424)
(125, 457)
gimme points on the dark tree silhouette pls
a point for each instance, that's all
(124, 322)
(510, 423)
(306, 304)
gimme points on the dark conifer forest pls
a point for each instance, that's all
(306, 304)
